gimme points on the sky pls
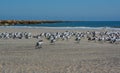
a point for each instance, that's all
(86, 10)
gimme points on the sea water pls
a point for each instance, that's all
(72, 25)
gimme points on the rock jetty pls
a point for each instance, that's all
(14, 22)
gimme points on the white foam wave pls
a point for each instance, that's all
(61, 27)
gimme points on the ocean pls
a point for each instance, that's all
(73, 25)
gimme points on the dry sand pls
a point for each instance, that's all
(20, 56)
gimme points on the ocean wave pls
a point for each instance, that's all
(112, 28)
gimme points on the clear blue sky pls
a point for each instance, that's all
(60, 9)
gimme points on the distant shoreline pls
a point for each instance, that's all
(14, 22)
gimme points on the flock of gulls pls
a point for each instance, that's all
(107, 36)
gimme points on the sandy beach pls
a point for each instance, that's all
(20, 55)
